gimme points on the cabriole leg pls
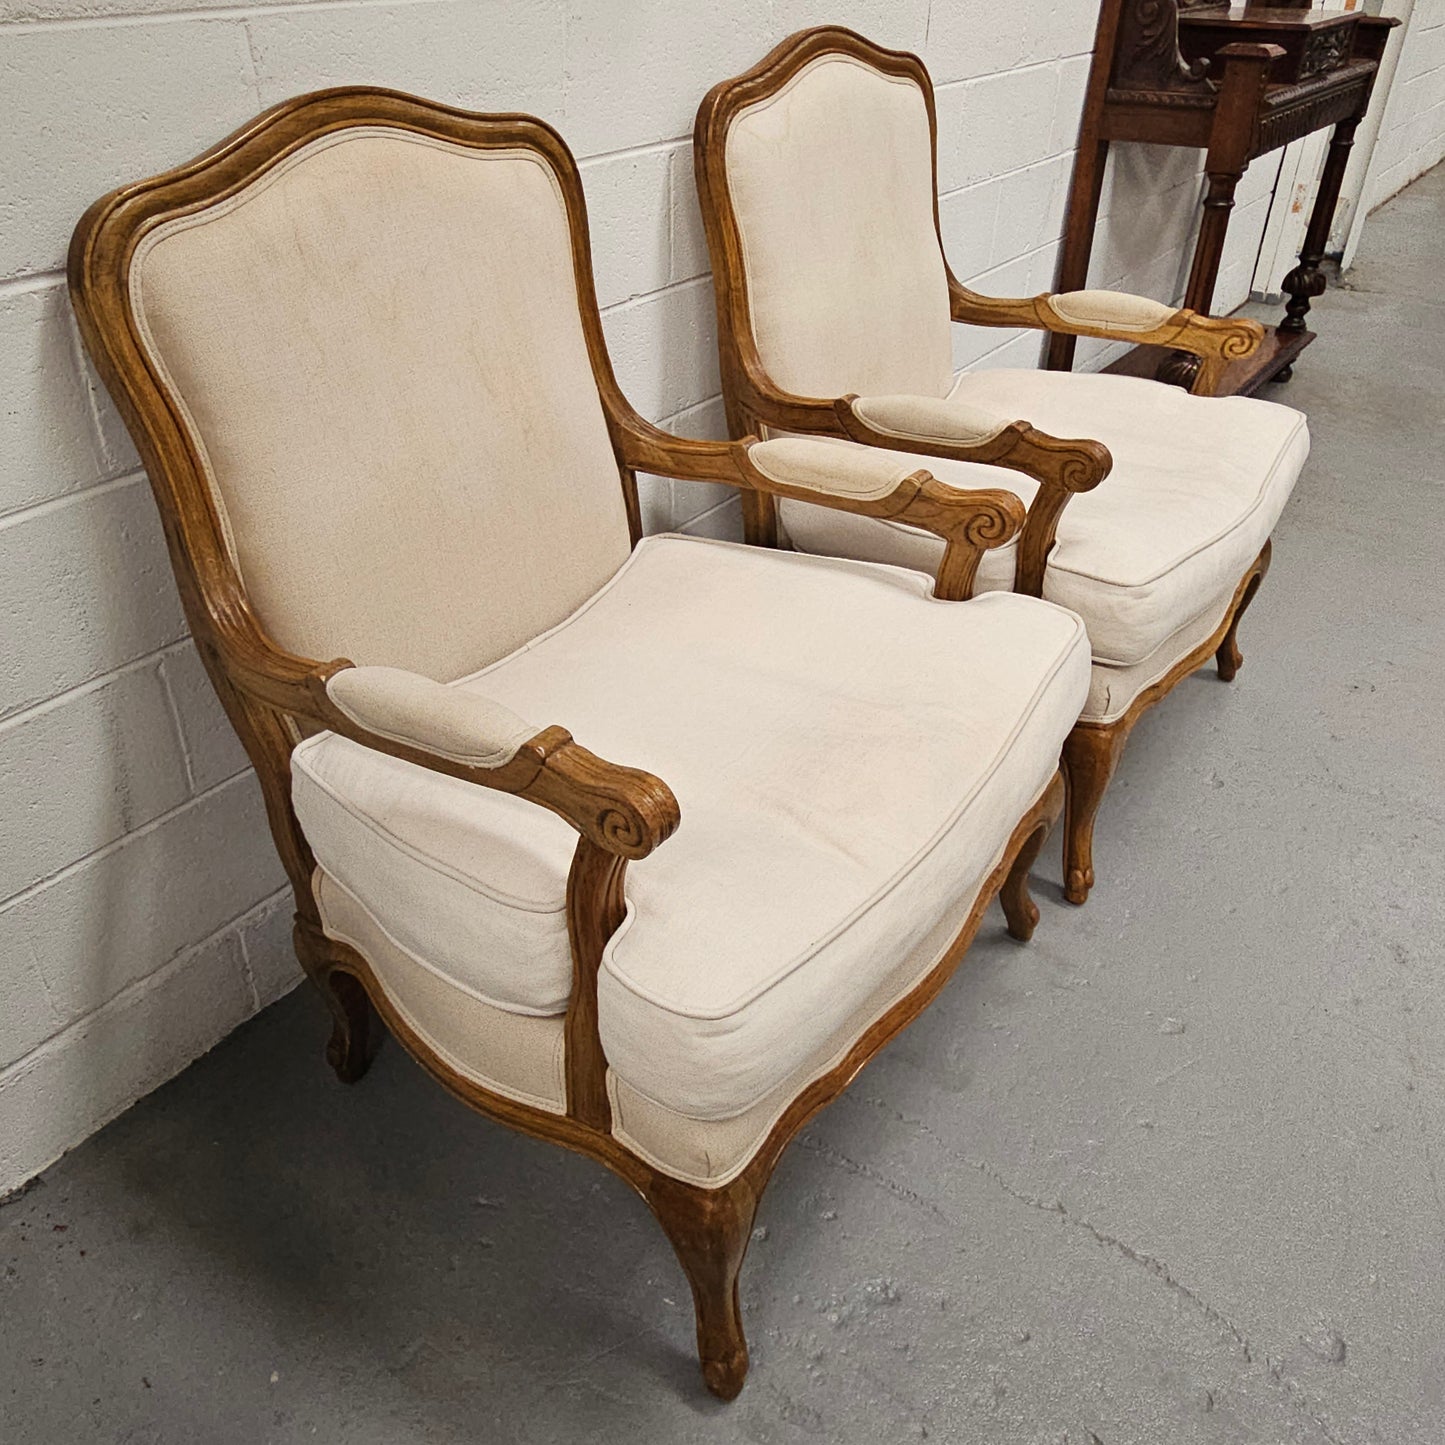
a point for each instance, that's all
(709, 1230)
(355, 1029)
(1019, 908)
(1090, 757)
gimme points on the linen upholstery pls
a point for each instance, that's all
(831, 181)
(849, 756)
(521, 1056)
(928, 418)
(1117, 310)
(832, 185)
(1197, 486)
(378, 348)
(1113, 688)
(409, 708)
(829, 464)
(709, 1152)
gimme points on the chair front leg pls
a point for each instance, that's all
(709, 1230)
(1091, 753)
(355, 1029)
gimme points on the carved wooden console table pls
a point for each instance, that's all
(1236, 82)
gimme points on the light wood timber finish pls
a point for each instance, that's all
(619, 813)
(1214, 348)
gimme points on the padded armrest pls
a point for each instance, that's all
(1116, 316)
(1116, 310)
(418, 712)
(832, 466)
(929, 418)
(874, 483)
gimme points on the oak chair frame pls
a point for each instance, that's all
(273, 697)
(1062, 467)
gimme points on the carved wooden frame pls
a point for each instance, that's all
(620, 814)
(1062, 468)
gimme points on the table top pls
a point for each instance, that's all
(1269, 17)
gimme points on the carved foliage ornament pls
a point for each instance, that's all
(1148, 53)
(1326, 51)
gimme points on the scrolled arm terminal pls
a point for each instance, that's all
(1117, 316)
(623, 811)
(867, 481)
(957, 431)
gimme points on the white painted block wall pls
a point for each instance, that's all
(141, 908)
(1412, 134)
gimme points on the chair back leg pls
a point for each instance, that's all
(355, 1029)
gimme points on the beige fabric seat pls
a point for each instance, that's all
(1197, 487)
(868, 758)
(828, 296)
(1149, 509)
(641, 846)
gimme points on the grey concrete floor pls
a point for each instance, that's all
(1171, 1173)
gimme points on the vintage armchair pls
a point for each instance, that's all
(359, 349)
(1149, 510)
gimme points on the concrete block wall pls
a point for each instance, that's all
(1412, 134)
(141, 909)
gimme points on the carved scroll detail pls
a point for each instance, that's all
(1148, 53)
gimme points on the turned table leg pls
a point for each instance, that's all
(1181, 367)
(1231, 138)
(1307, 281)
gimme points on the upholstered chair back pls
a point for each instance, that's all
(832, 188)
(376, 346)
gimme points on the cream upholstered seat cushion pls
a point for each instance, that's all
(1197, 487)
(849, 755)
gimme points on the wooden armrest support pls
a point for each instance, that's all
(645, 447)
(833, 473)
(1114, 316)
(1061, 467)
(622, 811)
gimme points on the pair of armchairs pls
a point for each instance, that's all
(359, 349)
